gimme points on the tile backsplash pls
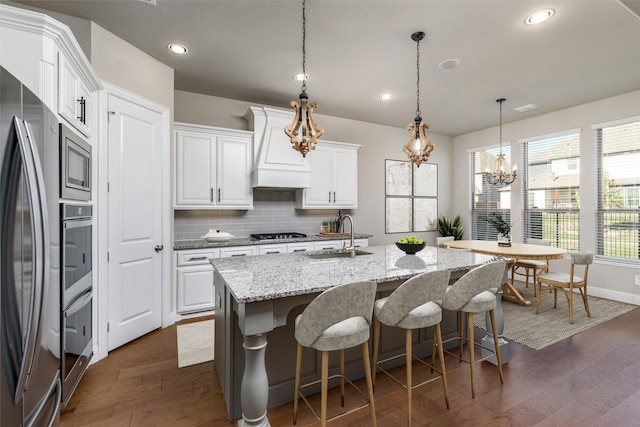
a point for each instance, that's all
(273, 211)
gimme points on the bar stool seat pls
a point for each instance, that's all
(337, 319)
(413, 305)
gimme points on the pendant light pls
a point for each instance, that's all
(419, 147)
(501, 173)
(304, 131)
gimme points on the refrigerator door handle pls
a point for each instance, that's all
(56, 388)
(40, 254)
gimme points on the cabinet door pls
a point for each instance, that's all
(195, 288)
(345, 178)
(195, 180)
(67, 90)
(321, 192)
(233, 172)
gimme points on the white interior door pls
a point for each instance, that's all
(135, 221)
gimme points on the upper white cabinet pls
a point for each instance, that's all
(43, 54)
(334, 177)
(213, 168)
(74, 99)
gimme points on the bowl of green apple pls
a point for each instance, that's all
(410, 244)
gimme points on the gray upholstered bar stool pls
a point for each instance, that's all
(413, 305)
(337, 319)
(475, 292)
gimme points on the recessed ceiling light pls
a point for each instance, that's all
(386, 96)
(539, 17)
(527, 107)
(178, 48)
(449, 64)
(300, 77)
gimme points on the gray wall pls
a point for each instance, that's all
(616, 280)
(377, 144)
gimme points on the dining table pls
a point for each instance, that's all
(516, 251)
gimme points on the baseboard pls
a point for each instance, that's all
(177, 317)
(614, 295)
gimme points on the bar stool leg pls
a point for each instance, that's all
(438, 339)
(461, 328)
(408, 361)
(367, 373)
(342, 378)
(376, 344)
(297, 383)
(492, 315)
(323, 392)
(471, 352)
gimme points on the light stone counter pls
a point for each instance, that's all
(256, 295)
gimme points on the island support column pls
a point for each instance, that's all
(254, 392)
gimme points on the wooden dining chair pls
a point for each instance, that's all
(567, 282)
(531, 267)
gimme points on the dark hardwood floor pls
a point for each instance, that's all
(590, 379)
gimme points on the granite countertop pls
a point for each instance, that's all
(246, 241)
(260, 278)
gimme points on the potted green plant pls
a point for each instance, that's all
(502, 226)
(451, 228)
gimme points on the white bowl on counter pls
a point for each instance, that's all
(217, 236)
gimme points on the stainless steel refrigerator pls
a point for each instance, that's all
(29, 259)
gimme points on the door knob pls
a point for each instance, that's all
(158, 248)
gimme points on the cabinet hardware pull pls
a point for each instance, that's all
(239, 255)
(197, 258)
(271, 252)
(218, 194)
(82, 116)
(299, 250)
(334, 197)
(329, 196)
(211, 194)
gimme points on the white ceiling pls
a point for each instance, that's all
(357, 50)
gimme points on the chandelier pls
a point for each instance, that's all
(304, 131)
(419, 147)
(501, 173)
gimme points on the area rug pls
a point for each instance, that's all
(537, 331)
(195, 343)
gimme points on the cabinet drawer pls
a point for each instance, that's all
(332, 244)
(238, 251)
(195, 257)
(271, 249)
(299, 247)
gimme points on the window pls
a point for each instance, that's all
(411, 202)
(486, 197)
(551, 189)
(618, 215)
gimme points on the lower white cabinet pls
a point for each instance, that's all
(194, 280)
(230, 251)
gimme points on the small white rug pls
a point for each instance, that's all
(195, 343)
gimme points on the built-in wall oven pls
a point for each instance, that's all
(77, 294)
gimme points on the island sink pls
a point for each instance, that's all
(336, 254)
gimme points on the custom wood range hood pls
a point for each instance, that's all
(275, 163)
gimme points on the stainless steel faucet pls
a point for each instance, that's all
(352, 247)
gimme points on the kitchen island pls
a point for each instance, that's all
(260, 295)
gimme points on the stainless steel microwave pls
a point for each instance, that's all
(75, 166)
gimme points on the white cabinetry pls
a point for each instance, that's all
(74, 99)
(194, 280)
(299, 247)
(213, 168)
(43, 54)
(334, 177)
(238, 251)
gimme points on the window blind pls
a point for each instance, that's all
(618, 215)
(551, 189)
(486, 197)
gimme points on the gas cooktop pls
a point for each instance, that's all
(272, 236)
